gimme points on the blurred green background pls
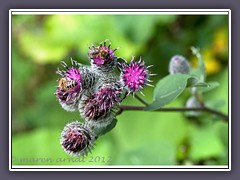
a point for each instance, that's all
(40, 42)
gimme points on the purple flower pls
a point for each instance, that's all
(108, 96)
(92, 110)
(102, 57)
(135, 75)
(69, 85)
(100, 103)
(73, 73)
(76, 139)
(67, 97)
(99, 109)
(95, 115)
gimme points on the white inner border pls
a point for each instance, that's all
(130, 12)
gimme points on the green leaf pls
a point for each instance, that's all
(103, 130)
(200, 72)
(200, 84)
(210, 86)
(194, 82)
(169, 88)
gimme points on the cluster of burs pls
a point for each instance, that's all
(96, 91)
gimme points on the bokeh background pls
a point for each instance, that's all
(40, 42)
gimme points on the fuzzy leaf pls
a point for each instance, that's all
(169, 88)
(103, 130)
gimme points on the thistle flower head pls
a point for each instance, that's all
(135, 75)
(100, 104)
(94, 114)
(102, 57)
(69, 85)
(70, 73)
(179, 64)
(76, 139)
(107, 96)
(68, 97)
(99, 109)
(92, 109)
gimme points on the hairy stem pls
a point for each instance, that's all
(175, 109)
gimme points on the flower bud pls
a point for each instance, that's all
(192, 102)
(179, 64)
(76, 139)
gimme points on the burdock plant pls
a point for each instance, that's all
(96, 92)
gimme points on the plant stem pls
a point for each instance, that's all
(174, 109)
(141, 100)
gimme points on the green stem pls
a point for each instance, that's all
(141, 100)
